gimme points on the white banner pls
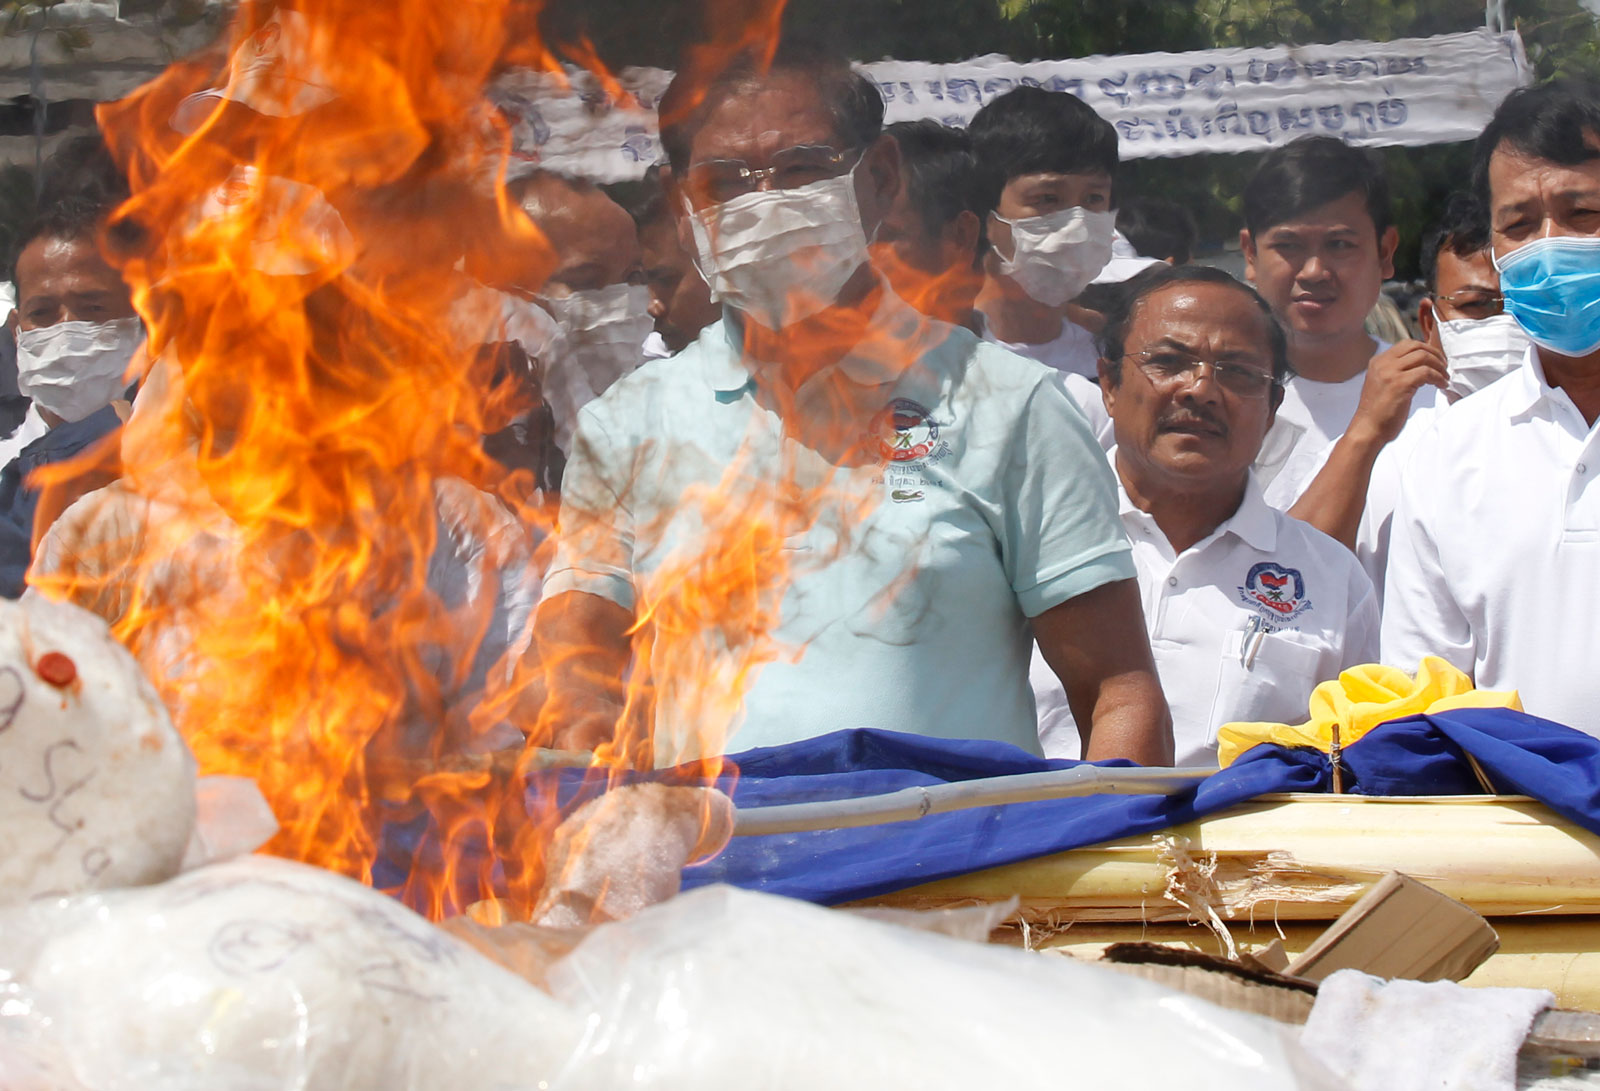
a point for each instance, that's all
(1411, 91)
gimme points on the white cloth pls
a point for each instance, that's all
(1072, 350)
(1415, 1036)
(655, 347)
(1494, 556)
(907, 582)
(31, 428)
(1199, 609)
(1125, 263)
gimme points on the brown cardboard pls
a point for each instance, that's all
(1401, 928)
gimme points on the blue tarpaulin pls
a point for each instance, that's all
(1419, 755)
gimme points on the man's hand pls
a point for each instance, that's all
(583, 647)
(1097, 646)
(1393, 378)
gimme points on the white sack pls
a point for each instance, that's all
(96, 787)
(260, 975)
(721, 988)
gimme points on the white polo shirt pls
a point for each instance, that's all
(1494, 555)
(1315, 608)
(904, 602)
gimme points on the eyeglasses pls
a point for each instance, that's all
(1475, 304)
(1167, 367)
(716, 181)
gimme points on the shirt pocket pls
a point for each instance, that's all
(1271, 684)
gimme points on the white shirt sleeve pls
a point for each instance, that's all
(1420, 614)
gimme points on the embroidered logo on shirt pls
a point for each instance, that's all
(905, 496)
(906, 432)
(1275, 592)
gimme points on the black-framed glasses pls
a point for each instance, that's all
(1474, 303)
(1167, 367)
(716, 181)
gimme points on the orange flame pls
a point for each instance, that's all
(307, 538)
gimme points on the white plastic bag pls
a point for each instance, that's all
(96, 787)
(722, 988)
(260, 975)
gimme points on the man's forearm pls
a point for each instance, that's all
(1131, 721)
(1337, 496)
(584, 649)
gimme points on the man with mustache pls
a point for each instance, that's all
(1247, 608)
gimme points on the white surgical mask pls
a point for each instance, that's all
(604, 330)
(71, 369)
(1054, 257)
(779, 256)
(1481, 350)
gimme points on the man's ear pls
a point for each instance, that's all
(1108, 388)
(1387, 243)
(1247, 244)
(1428, 321)
(878, 181)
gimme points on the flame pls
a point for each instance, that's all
(306, 447)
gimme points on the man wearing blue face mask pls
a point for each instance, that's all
(829, 511)
(1494, 562)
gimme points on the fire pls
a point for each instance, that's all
(305, 508)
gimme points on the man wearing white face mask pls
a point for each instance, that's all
(596, 292)
(1494, 563)
(1463, 314)
(1049, 165)
(911, 497)
(76, 334)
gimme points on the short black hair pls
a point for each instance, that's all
(1548, 121)
(1029, 130)
(852, 100)
(1310, 172)
(1462, 229)
(940, 174)
(645, 199)
(80, 186)
(1158, 229)
(1119, 315)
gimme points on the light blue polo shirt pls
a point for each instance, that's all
(912, 507)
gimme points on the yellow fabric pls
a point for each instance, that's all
(1359, 700)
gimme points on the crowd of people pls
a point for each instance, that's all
(1081, 495)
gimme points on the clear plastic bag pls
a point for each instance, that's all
(96, 787)
(722, 988)
(260, 975)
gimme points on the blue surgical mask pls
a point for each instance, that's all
(1552, 288)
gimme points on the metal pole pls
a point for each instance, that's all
(912, 803)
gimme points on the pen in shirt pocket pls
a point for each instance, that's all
(1254, 633)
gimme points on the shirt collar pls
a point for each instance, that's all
(895, 337)
(1529, 389)
(1254, 522)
